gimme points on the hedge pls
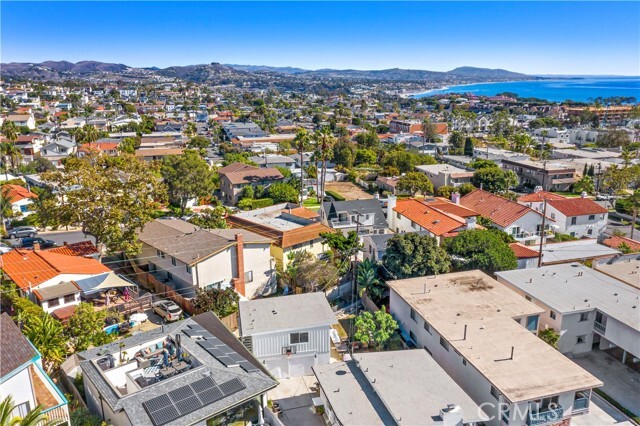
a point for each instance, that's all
(335, 195)
(248, 204)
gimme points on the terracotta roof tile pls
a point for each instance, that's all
(499, 210)
(615, 242)
(540, 196)
(522, 251)
(577, 206)
(429, 218)
(447, 206)
(17, 193)
(302, 212)
(303, 234)
(82, 248)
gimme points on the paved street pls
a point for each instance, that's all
(59, 236)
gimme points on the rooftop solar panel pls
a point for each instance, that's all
(189, 405)
(157, 403)
(232, 386)
(164, 415)
(181, 393)
(210, 396)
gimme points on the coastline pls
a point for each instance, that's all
(425, 94)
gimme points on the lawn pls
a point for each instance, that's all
(311, 203)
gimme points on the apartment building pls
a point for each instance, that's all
(484, 336)
(445, 175)
(550, 175)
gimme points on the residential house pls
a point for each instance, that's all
(30, 146)
(389, 184)
(618, 242)
(549, 175)
(20, 198)
(522, 222)
(157, 154)
(23, 378)
(235, 177)
(106, 148)
(445, 175)
(58, 150)
(47, 277)
(484, 336)
(497, 155)
(437, 217)
(578, 217)
(393, 388)
(189, 258)
(272, 160)
(247, 130)
(583, 250)
(190, 372)
(22, 120)
(527, 257)
(289, 334)
(366, 216)
(586, 307)
(293, 229)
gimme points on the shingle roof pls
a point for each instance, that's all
(16, 349)
(499, 210)
(30, 268)
(431, 219)
(577, 206)
(59, 290)
(370, 206)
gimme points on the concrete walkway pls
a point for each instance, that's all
(620, 382)
(601, 414)
(294, 396)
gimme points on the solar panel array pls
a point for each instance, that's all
(179, 402)
(218, 349)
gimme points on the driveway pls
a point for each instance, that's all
(294, 396)
(601, 414)
(620, 382)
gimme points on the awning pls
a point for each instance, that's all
(103, 282)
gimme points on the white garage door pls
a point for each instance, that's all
(301, 365)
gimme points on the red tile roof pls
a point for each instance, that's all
(499, 210)
(577, 206)
(447, 206)
(615, 242)
(17, 193)
(302, 212)
(82, 248)
(30, 268)
(429, 218)
(540, 196)
(522, 251)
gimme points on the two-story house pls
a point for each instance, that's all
(578, 217)
(235, 177)
(58, 150)
(549, 175)
(484, 336)
(189, 258)
(23, 378)
(518, 220)
(20, 198)
(366, 216)
(445, 175)
(289, 334)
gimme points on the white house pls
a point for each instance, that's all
(290, 334)
(484, 336)
(23, 378)
(578, 217)
(586, 307)
(187, 257)
(445, 174)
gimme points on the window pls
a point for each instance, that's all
(296, 338)
(552, 314)
(495, 393)
(398, 215)
(444, 343)
(414, 225)
(21, 410)
(581, 339)
(248, 277)
(158, 253)
(70, 298)
(532, 323)
(464, 361)
(169, 275)
(428, 351)
(592, 216)
(528, 298)
(573, 234)
(427, 327)
(413, 315)
(188, 267)
(412, 336)
(574, 220)
(53, 302)
(173, 261)
(553, 215)
(589, 231)
(584, 316)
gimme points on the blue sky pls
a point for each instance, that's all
(529, 37)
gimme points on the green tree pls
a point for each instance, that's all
(446, 191)
(5, 208)
(302, 143)
(366, 156)
(211, 218)
(550, 336)
(110, 198)
(47, 335)
(324, 141)
(237, 157)
(307, 273)
(88, 134)
(85, 327)
(414, 255)
(414, 182)
(491, 179)
(128, 145)
(344, 153)
(428, 130)
(221, 302)
(613, 139)
(368, 281)
(375, 329)
(481, 249)
(634, 202)
(282, 192)
(367, 139)
(198, 142)
(468, 147)
(35, 416)
(41, 165)
(187, 177)
(10, 154)
(342, 246)
(456, 140)
(584, 185)
(466, 188)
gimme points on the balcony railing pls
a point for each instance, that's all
(580, 404)
(599, 327)
(545, 417)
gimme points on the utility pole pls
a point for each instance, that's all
(544, 219)
(354, 285)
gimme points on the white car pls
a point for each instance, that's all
(167, 310)
(138, 318)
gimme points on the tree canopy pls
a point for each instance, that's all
(221, 302)
(414, 255)
(187, 176)
(375, 329)
(481, 249)
(414, 182)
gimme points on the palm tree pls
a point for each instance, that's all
(301, 142)
(635, 206)
(324, 144)
(368, 280)
(88, 134)
(34, 417)
(584, 185)
(47, 336)
(5, 205)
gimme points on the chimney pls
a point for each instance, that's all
(36, 246)
(471, 222)
(451, 415)
(238, 283)
(455, 197)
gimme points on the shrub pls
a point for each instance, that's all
(335, 195)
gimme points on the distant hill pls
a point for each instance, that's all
(54, 68)
(256, 68)
(487, 73)
(199, 73)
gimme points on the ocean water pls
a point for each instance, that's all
(581, 90)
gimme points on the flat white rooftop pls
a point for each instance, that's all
(575, 251)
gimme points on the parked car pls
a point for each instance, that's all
(28, 243)
(167, 310)
(23, 231)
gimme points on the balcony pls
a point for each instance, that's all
(580, 404)
(599, 327)
(545, 417)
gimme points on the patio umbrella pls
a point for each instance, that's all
(103, 282)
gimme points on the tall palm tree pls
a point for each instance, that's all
(34, 417)
(324, 144)
(302, 141)
(368, 280)
(5, 206)
(10, 132)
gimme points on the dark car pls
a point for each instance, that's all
(28, 243)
